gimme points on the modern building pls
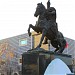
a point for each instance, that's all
(11, 50)
(10, 53)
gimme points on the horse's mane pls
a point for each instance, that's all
(41, 5)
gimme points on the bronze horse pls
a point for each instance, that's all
(48, 28)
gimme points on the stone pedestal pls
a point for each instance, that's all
(35, 62)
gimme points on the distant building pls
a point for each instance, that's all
(12, 48)
(10, 53)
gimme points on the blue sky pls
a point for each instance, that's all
(16, 15)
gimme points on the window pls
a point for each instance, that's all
(23, 42)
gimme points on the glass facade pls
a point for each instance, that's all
(11, 50)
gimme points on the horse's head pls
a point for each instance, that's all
(39, 9)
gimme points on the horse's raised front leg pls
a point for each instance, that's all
(30, 25)
(35, 28)
(42, 38)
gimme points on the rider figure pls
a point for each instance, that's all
(50, 14)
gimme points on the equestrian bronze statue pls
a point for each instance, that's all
(47, 26)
